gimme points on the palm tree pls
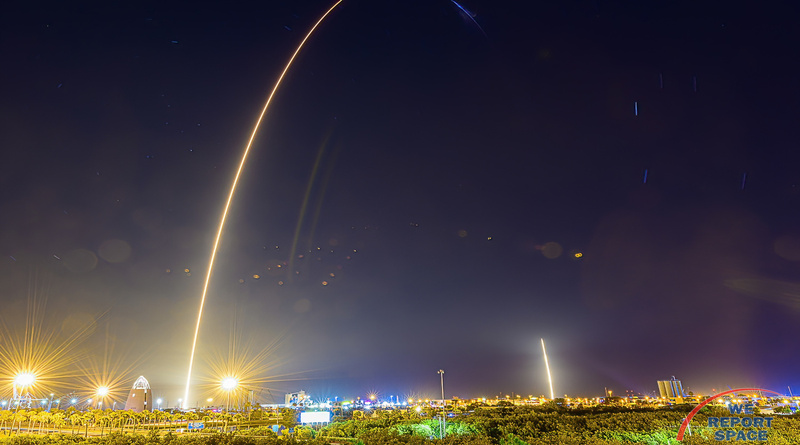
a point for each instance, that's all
(146, 416)
(159, 417)
(238, 418)
(44, 418)
(136, 419)
(113, 417)
(58, 420)
(19, 417)
(74, 418)
(5, 416)
(124, 416)
(33, 417)
(226, 418)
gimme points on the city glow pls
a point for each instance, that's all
(233, 190)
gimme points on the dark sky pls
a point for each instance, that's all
(449, 176)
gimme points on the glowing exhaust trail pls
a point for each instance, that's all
(233, 190)
(547, 365)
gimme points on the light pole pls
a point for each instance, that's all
(101, 393)
(23, 381)
(444, 416)
(229, 384)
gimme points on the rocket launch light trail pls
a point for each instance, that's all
(233, 190)
(547, 365)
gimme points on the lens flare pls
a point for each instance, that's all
(24, 379)
(111, 373)
(240, 372)
(547, 365)
(233, 190)
(35, 357)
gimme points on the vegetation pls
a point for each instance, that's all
(503, 425)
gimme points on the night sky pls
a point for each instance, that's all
(453, 168)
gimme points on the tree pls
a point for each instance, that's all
(5, 416)
(19, 417)
(288, 418)
(58, 420)
(74, 419)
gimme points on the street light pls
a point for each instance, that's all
(444, 414)
(229, 384)
(23, 380)
(159, 404)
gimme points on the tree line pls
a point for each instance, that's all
(506, 425)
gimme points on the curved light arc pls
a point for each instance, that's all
(233, 191)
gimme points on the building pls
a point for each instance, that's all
(670, 389)
(141, 397)
(297, 399)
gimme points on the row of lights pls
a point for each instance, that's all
(27, 379)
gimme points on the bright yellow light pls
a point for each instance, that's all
(578, 254)
(102, 391)
(25, 379)
(37, 352)
(229, 383)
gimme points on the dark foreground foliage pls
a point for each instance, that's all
(484, 426)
